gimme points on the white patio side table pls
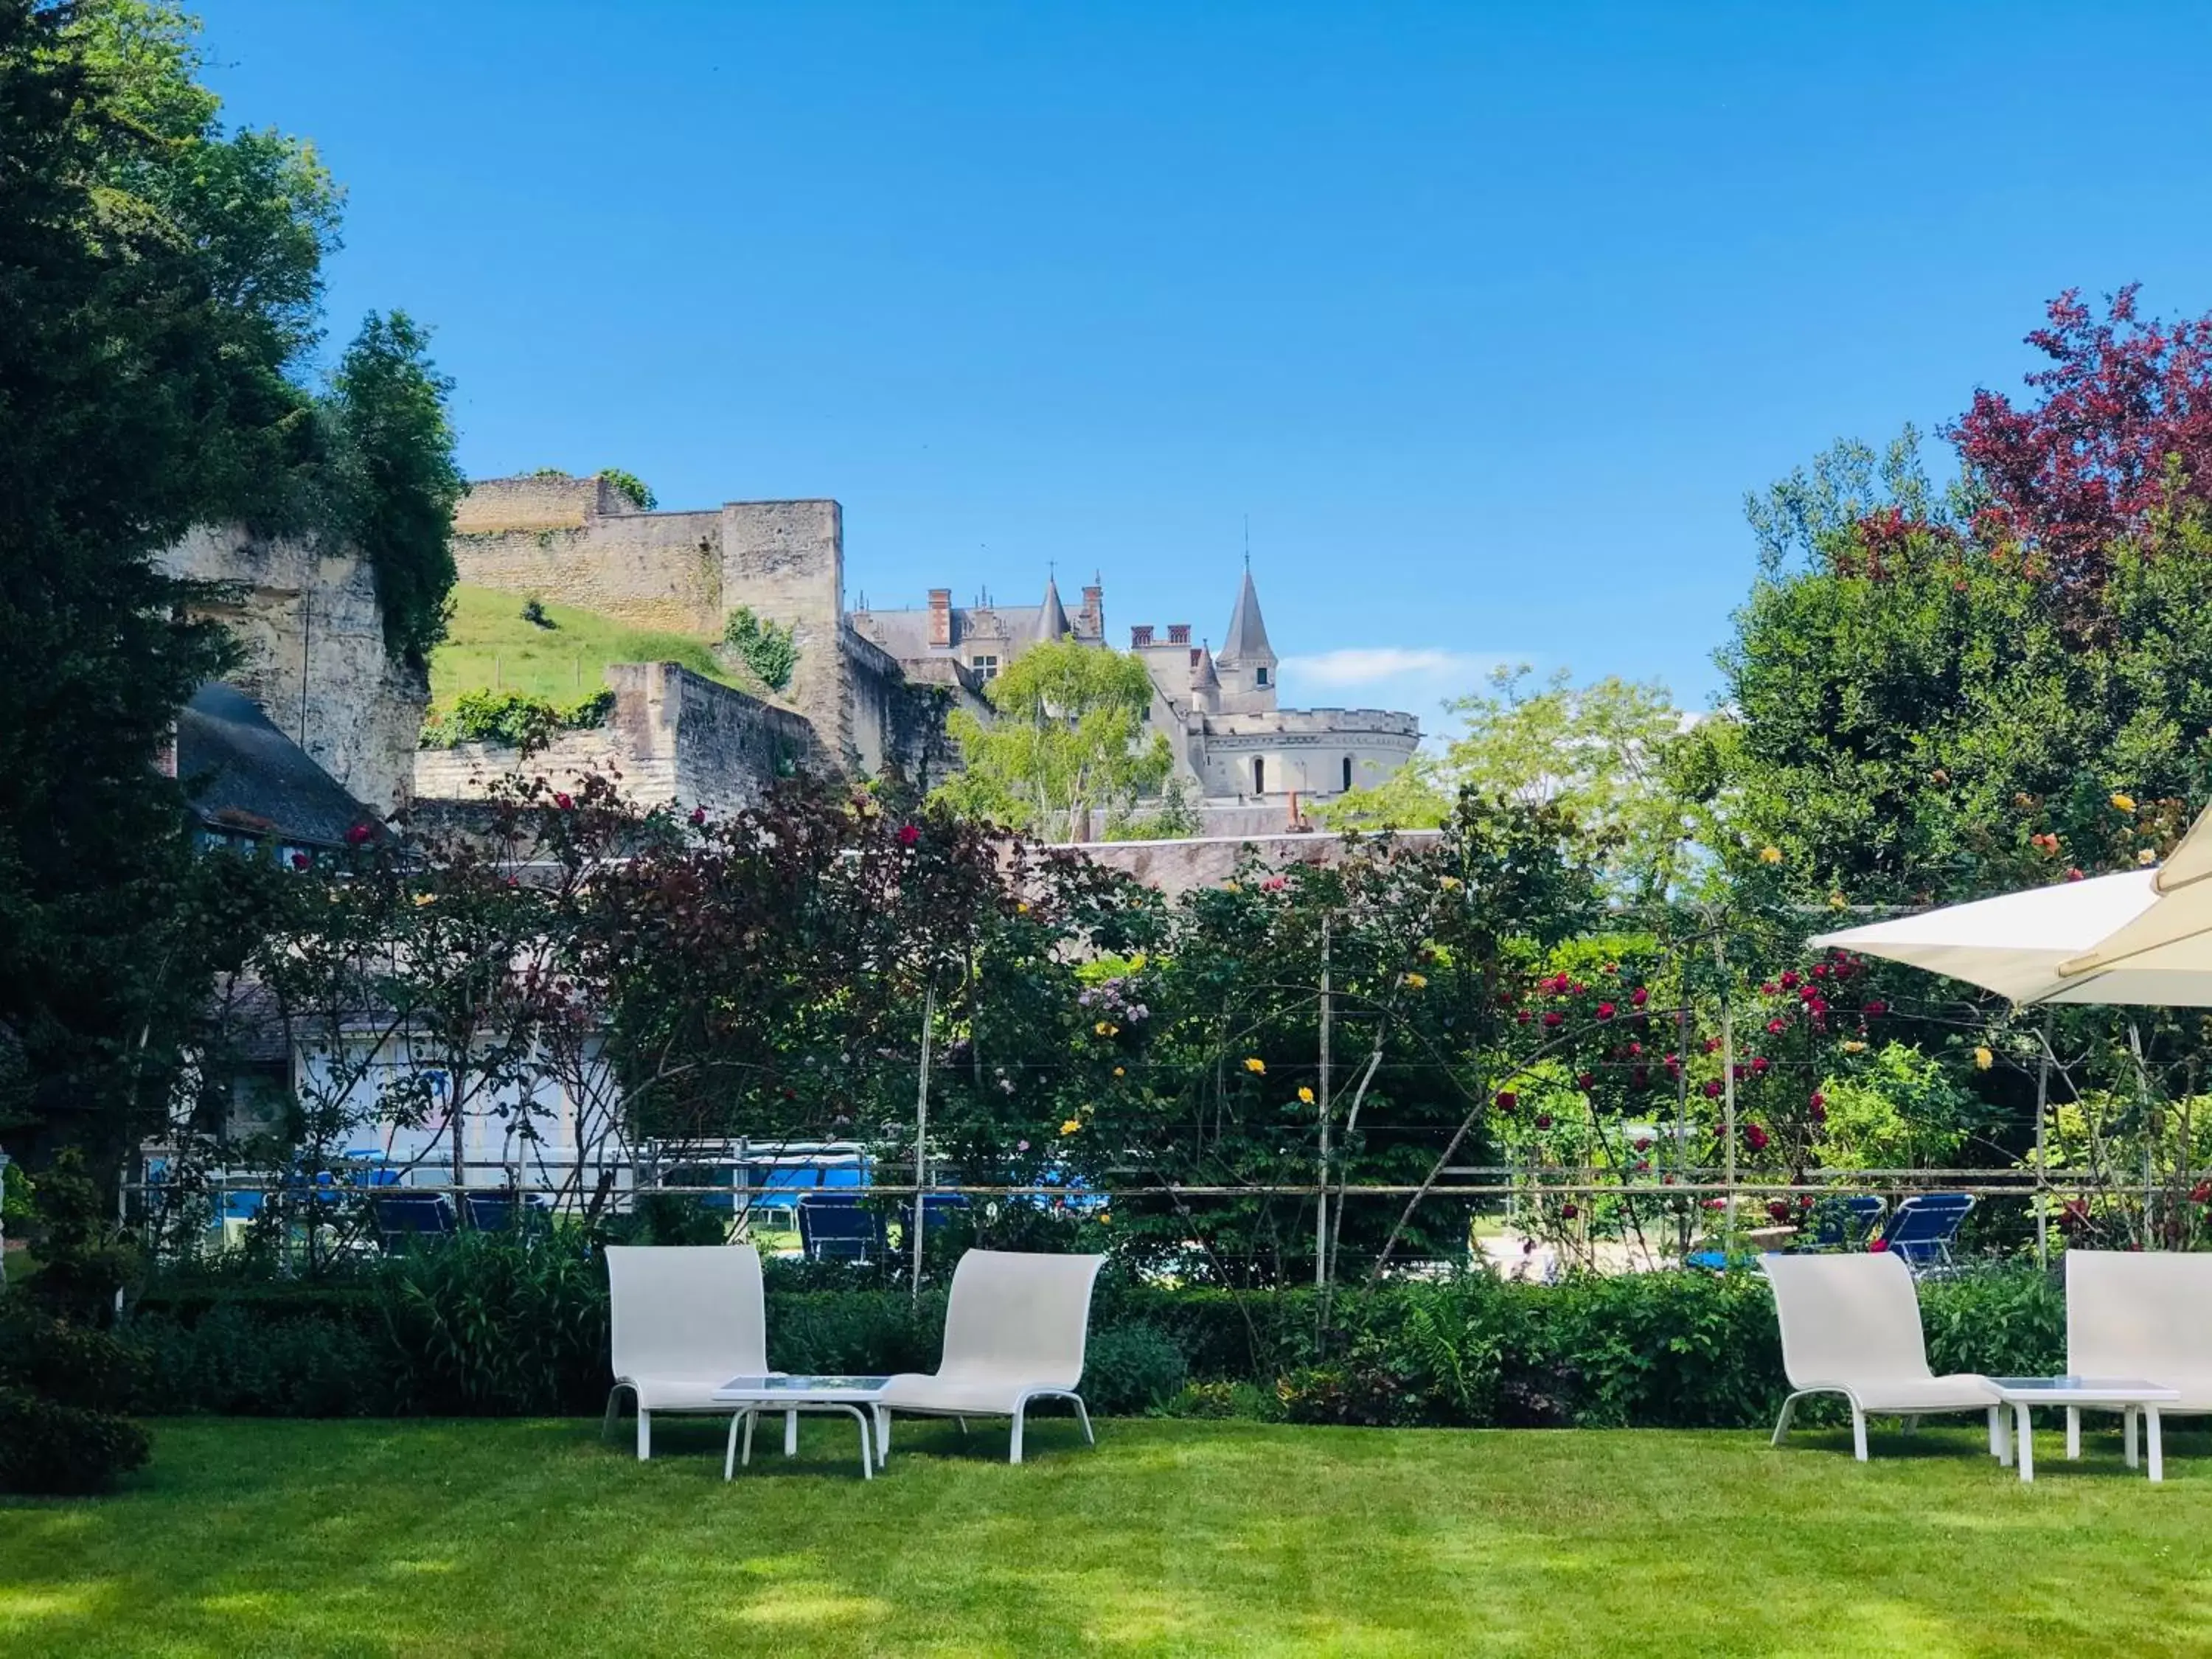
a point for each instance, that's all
(2136, 1399)
(852, 1396)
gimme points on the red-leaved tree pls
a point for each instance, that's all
(2124, 411)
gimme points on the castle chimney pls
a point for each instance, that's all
(1178, 633)
(1092, 619)
(1140, 635)
(940, 616)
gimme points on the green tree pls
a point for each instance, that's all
(1914, 718)
(1068, 742)
(1595, 750)
(397, 481)
(138, 394)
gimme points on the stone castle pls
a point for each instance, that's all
(873, 687)
(870, 693)
(1233, 743)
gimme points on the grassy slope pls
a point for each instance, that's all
(488, 634)
(504, 1538)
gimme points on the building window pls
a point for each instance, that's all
(987, 666)
(1259, 775)
(1347, 771)
(1147, 715)
(1259, 677)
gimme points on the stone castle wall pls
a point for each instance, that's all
(673, 736)
(313, 636)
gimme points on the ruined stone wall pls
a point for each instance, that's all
(673, 736)
(313, 636)
(651, 570)
(576, 541)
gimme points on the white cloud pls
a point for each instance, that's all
(1373, 665)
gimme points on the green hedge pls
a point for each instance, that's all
(486, 1328)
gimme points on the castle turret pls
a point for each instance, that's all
(1052, 616)
(1247, 663)
(1205, 683)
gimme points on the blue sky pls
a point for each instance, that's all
(1487, 316)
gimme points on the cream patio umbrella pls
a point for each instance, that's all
(2142, 937)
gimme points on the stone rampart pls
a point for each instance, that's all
(313, 636)
(673, 736)
(1177, 866)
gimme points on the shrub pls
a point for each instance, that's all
(770, 649)
(239, 1361)
(533, 611)
(514, 719)
(865, 1331)
(52, 1449)
(490, 1326)
(1365, 1393)
(1131, 1369)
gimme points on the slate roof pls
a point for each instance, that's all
(1246, 639)
(1052, 618)
(242, 773)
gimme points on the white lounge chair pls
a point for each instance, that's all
(685, 1319)
(1851, 1325)
(1014, 1332)
(2142, 1314)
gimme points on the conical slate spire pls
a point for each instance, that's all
(1202, 677)
(1247, 640)
(1052, 616)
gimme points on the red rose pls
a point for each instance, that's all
(359, 834)
(1638, 997)
(1759, 1065)
(1712, 1045)
(1642, 1166)
(698, 815)
(1778, 1210)
(1790, 979)
(1820, 970)
(1713, 1089)
(1634, 1048)
(1876, 1007)
(1523, 1017)
(1879, 1246)
(1553, 1018)
(1754, 1137)
(1605, 1011)
(563, 802)
(300, 860)
(1543, 1120)
(1586, 1080)
(1568, 1211)
(908, 834)
(2073, 874)
(1507, 1100)
(1644, 1143)
(2201, 1193)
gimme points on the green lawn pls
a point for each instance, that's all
(506, 1538)
(489, 642)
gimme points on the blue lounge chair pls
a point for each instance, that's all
(502, 1211)
(1920, 1229)
(402, 1217)
(834, 1227)
(1844, 1221)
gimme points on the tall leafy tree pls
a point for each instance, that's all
(1069, 741)
(1595, 750)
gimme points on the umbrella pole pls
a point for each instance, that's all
(2043, 1151)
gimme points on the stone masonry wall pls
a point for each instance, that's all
(673, 736)
(313, 635)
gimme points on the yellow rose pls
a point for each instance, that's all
(1071, 1126)
(1984, 1058)
(1105, 1217)
(1854, 1047)
(2123, 803)
(1118, 1071)
(1022, 907)
(1101, 1028)
(1450, 884)
(1256, 1065)
(1770, 855)
(1305, 1094)
(1416, 982)
(2149, 856)
(421, 899)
